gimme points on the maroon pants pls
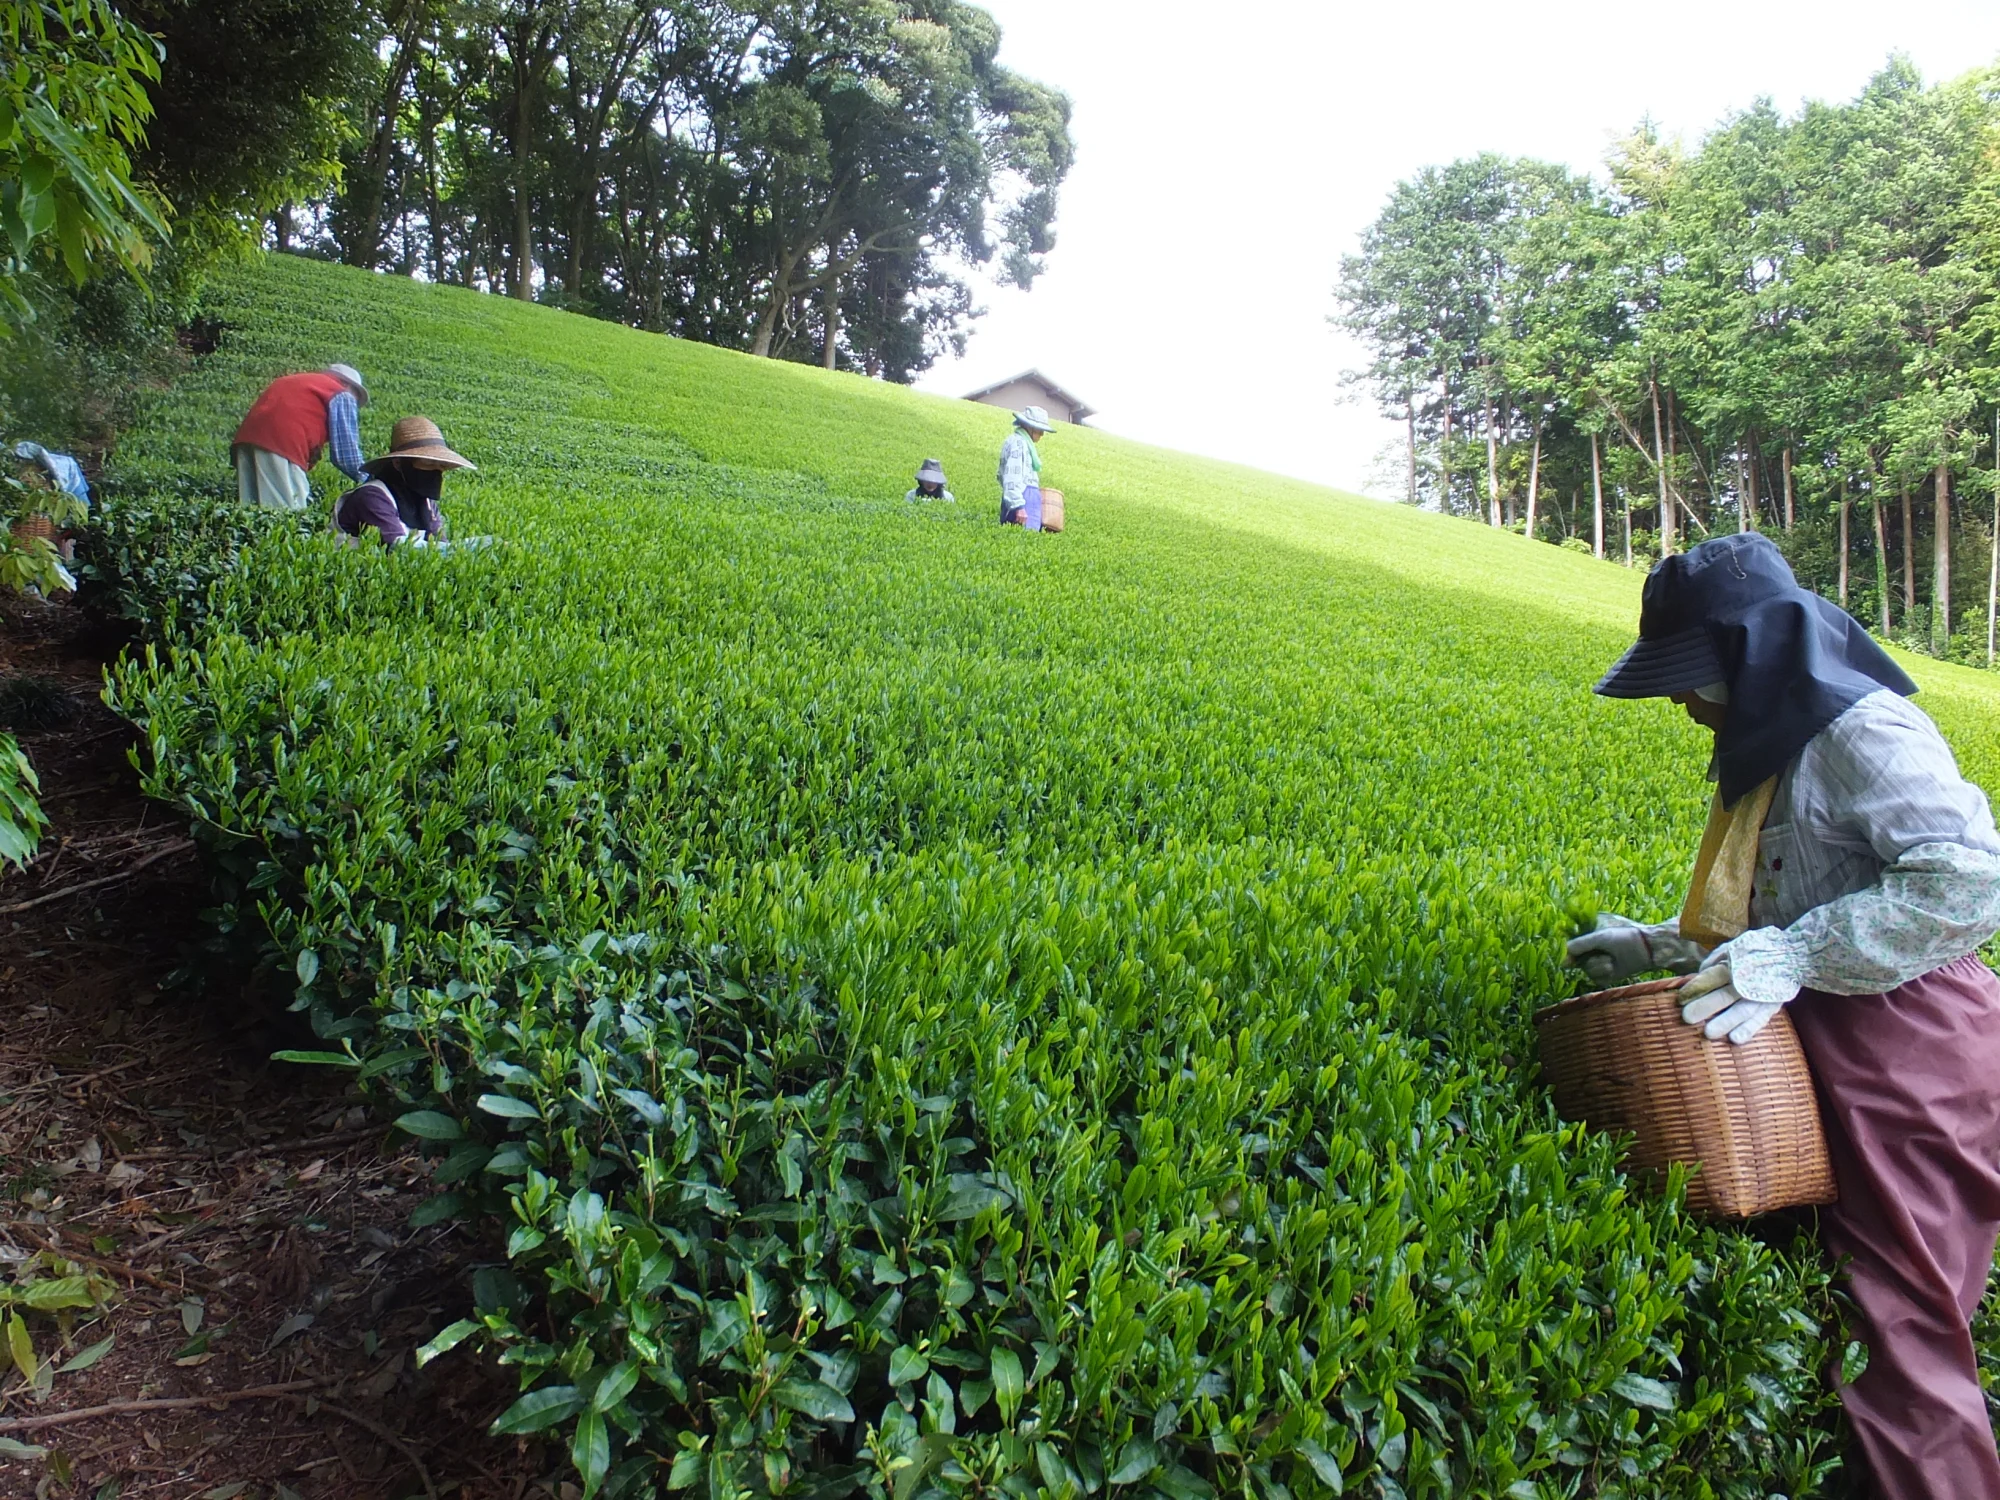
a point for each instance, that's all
(1910, 1091)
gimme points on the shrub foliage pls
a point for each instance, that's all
(943, 1010)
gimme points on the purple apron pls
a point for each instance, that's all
(1909, 1085)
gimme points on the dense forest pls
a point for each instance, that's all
(1791, 325)
(806, 179)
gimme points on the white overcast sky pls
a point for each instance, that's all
(1229, 155)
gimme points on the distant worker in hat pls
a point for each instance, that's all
(400, 499)
(1849, 876)
(930, 484)
(296, 419)
(1021, 469)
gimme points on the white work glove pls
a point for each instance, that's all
(1620, 948)
(1714, 1003)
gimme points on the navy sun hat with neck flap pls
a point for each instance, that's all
(1730, 611)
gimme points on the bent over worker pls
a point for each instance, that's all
(1021, 469)
(287, 428)
(930, 484)
(400, 500)
(1850, 873)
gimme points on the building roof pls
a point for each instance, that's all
(1080, 407)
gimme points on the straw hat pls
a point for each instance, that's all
(418, 437)
(1034, 418)
(353, 378)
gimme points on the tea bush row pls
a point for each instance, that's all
(941, 1010)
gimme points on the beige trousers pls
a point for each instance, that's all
(264, 478)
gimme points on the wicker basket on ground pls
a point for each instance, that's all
(1745, 1117)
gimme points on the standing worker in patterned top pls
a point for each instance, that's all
(287, 428)
(1021, 469)
(1847, 867)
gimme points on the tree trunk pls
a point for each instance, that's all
(1846, 506)
(781, 293)
(1748, 519)
(281, 227)
(767, 325)
(1660, 468)
(524, 225)
(1626, 496)
(1881, 549)
(1534, 481)
(1993, 576)
(1909, 560)
(1788, 486)
(1444, 457)
(830, 305)
(1941, 564)
(366, 247)
(1492, 466)
(1596, 502)
(1410, 413)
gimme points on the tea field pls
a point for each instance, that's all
(939, 1009)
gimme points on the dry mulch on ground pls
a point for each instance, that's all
(244, 1222)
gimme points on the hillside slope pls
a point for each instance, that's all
(534, 390)
(946, 1008)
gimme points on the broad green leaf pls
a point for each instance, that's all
(590, 1451)
(615, 1386)
(1138, 1458)
(21, 1348)
(1008, 1386)
(508, 1107)
(1323, 1464)
(815, 1400)
(447, 1339)
(538, 1409)
(430, 1125)
(1642, 1390)
(83, 1359)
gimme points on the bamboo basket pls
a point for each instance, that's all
(30, 527)
(1052, 510)
(1745, 1117)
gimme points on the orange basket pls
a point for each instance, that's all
(1744, 1118)
(1052, 510)
(30, 527)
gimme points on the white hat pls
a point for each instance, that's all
(353, 377)
(1035, 418)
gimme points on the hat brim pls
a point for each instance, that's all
(1034, 426)
(1658, 667)
(437, 455)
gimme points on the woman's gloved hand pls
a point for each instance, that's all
(1619, 948)
(1714, 1003)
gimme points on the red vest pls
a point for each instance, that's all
(289, 419)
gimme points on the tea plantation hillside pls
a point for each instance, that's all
(942, 1009)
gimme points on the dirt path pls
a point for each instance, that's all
(243, 1223)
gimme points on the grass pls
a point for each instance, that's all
(940, 1008)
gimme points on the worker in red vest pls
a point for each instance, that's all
(290, 425)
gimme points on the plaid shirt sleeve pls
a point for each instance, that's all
(343, 434)
(1895, 858)
(1016, 472)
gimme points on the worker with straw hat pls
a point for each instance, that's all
(1850, 875)
(400, 498)
(1021, 469)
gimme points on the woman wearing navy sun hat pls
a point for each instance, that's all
(1849, 868)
